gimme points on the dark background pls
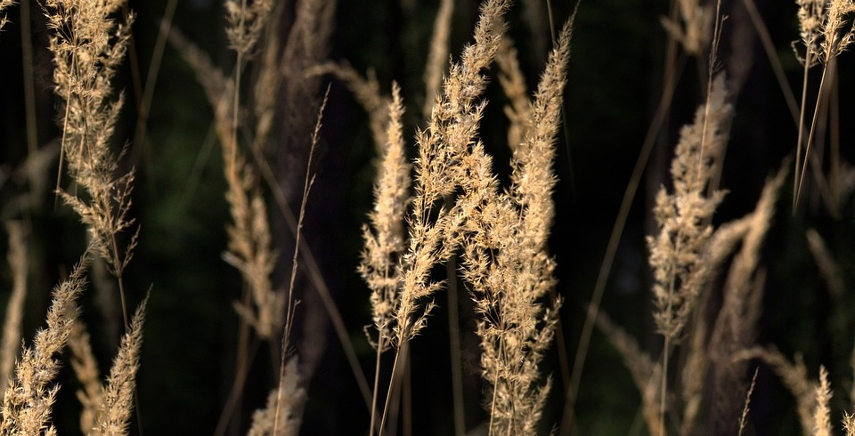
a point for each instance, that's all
(615, 80)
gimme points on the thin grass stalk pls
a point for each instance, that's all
(810, 138)
(772, 55)
(823, 34)
(671, 72)
(835, 146)
(454, 346)
(793, 376)
(743, 420)
(151, 77)
(798, 160)
(388, 397)
(311, 267)
(29, 99)
(291, 308)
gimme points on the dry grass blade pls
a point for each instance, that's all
(29, 396)
(18, 263)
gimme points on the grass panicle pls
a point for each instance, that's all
(249, 247)
(30, 395)
(694, 28)
(246, 21)
(288, 412)
(507, 266)
(443, 154)
(118, 395)
(384, 239)
(734, 327)
(822, 411)
(514, 86)
(88, 46)
(683, 216)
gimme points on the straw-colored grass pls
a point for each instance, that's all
(446, 216)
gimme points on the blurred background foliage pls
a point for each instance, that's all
(615, 80)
